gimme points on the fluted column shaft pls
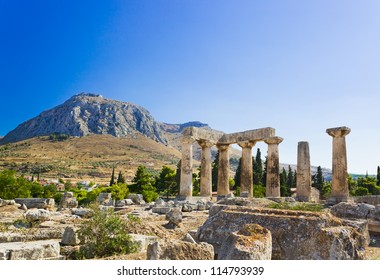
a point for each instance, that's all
(339, 187)
(273, 167)
(303, 172)
(246, 176)
(206, 168)
(223, 170)
(186, 187)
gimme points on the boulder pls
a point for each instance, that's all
(82, 212)
(68, 201)
(40, 203)
(201, 205)
(296, 235)
(124, 202)
(174, 216)
(105, 199)
(137, 198)
(4, 202)
(143, 240)
(251, 242)
(70, 237)
(36, 215)
(36, 250)
(161, 210)
(180, 250)
(187, 208)
(353, 210)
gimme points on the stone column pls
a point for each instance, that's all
(246, 179)
(223, 170)
(273, 167)
(339, 188)
(186, 187)
(206, 168)
(303, 172)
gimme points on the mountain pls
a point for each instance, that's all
(87, 113)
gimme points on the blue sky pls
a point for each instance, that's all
(297, 66)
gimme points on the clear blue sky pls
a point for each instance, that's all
(297, 66)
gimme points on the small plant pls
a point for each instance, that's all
(23, 223)
(302, 206)
(105, 234)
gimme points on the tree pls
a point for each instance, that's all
(370, 184)
(378, 176)
(120, 178)
(215, 165)
(178, 174)
(196, 182)
(237, 177)
(166, 182)
(112, 182)
(258, 169)
(12, 187)
(144, 184)
(318, 179)
(264, 180)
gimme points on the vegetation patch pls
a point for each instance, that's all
(299, 206)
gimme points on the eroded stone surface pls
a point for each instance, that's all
(37, 250)
(40, 203)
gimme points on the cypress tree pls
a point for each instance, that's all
(258, 169)
(215, 165)
(238, 175)
(319, 180)
(378, 175)
(112, 182)
(120, 178)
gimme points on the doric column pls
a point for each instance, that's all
(246, 177)
(186, 187)
(273, 167)
(303, 172)
(206, 168)
(339, 188)
(223, 170)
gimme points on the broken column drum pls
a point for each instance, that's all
(339, 187)
(273, 167)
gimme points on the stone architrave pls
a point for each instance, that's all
(273, 167)
(339, 188)
(223, 170)
(303, 172)
(246, 179)
(206, 168)
(186, 186)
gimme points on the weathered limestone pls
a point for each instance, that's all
(180, 250)
(255, 135)
(223, 170)
(37, 215)
(303, 172)
(273, 167)
(246, 179)
(68, 200)
(41, 203)
(70, 237)
(339, 188)
(186, 187)
(206, 168)
(296, 235)
(174, 216)
(252, 242)
(36, 250)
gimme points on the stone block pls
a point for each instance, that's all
(37, 215)
(70, 237)
(143, 240)
(161, 210)
(36, 250)
(40, 203)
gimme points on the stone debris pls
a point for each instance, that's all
(68, 201)
(4, 202)
(251, 242)
(137, 199)
(188, 238)
(174, 216)
(70, 237)
(82, 212)
(36, 250)
(180, 250)
(105, 199)
(37, 215)
(40, 203)
(143, 240)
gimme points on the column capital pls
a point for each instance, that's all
(273, 140)
(187, 140)
(338, 131)
(223, 147)
(205, 143)
(247, 144)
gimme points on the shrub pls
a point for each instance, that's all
(105, 234)
(301, 206)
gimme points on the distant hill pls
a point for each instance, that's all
(87, 113)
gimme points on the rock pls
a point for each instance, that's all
(296, 235)
(314, 195)
(105, 199)
(187, 208)
(23, 207)
(174, 216)
(251, 242)
(123, 203)
(375, 215)
(70, 237)
(188, 238)
(40, 203)
(137, 198)
(193, 233)
(68, 201)
(353, 210)
(161, 210)
(201, 205)
(36, 250)
(36, 215)
(143, 240)
(209, 204)
(4, 202)
(160, 202)
(180, 250)
(82, 212)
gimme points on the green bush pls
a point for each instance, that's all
(301, 206)
(258, 191)
(105, 234)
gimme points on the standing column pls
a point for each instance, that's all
(273, 167)
(206, 168)
(246, 179)
(186, 187)
(223, 170)
(339, 188)
(303, 172)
